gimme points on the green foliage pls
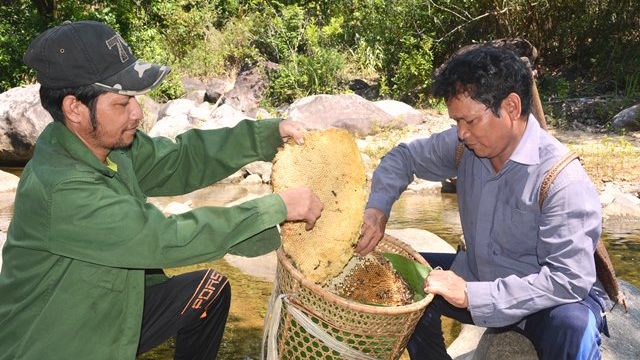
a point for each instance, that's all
(321, 45)
(303, 75)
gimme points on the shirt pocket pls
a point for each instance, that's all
(515, 232)
(104, 277)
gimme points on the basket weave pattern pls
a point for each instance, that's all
(381, 332)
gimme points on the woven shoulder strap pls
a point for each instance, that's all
(604, 268)
(459, 152)
(552, 174)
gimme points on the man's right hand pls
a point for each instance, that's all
(302, 204)
(372, 230)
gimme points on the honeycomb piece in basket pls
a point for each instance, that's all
(329, 163)
(371, 280)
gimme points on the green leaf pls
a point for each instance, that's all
(411, 271)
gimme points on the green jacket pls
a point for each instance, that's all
(73, 273)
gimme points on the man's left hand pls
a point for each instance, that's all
(450, 286)
(292, 129)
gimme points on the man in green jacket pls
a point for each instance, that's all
(78, 278)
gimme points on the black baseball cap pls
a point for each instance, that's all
(88, 52)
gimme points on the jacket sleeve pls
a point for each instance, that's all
(431, 158)
(90, 222)
(569, 227)
(199, 158)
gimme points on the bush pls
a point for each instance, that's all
(587, 47)
(303, 75)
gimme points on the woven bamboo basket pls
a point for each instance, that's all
(373, 332)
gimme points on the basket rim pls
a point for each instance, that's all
(353, 305)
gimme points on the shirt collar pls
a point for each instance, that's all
(527, 152)
(76, 148)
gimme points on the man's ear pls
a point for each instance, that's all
(74, 110)
(512, 106)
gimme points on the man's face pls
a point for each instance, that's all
(117, 117)
(487, 135)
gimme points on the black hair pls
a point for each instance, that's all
(488, 74)
(51, 100)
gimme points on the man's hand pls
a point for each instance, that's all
(372, 230)
(450, 286)
(302, 204)
(292, 129)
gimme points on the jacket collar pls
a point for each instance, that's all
(62, 137)
(527, 152)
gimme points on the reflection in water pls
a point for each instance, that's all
(438, 213)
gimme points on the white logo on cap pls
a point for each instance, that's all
(116, 40)
(141, 67)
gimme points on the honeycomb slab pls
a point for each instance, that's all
(329, 163)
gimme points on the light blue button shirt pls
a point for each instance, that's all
(519, 259)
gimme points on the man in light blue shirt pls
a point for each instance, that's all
(527, 267)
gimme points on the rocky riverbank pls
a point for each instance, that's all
(611, 160)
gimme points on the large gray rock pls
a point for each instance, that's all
(176, 107)
(400, 111)
(150, 109)
(617, 204)
(171, 126)
(628, 119)
(422, 240)
(8, 182)
(260, 168)
(22, 119)
(347, 111)
(248, 89)
(624, 328)
(225, 116)
(215, 89)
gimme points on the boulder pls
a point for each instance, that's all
(261, 168)
(215, 89)
(421, 186)
(248, 89)
(224, 116)
(628, 119)
(150, 109)
(347, 111)
(176, 107)
(400, 111)
(22, 119)
(252, 179)
(234, 178)
(192, 84)
(196, 95)
(200, 114)
(624, 327)
(618, 204)
(422, 240)
(174, 208)
(171, 126)
(8, 181)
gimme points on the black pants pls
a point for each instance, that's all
(193, 307)
(568, 331)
